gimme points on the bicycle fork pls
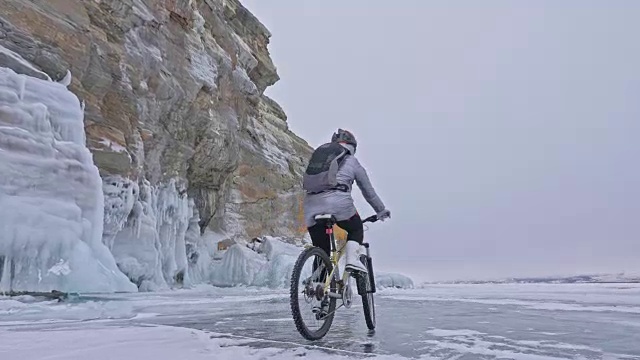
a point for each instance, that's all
(372, 279)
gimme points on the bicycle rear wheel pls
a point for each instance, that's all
(307, 294)
(365, 283)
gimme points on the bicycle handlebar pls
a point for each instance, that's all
(371, 219)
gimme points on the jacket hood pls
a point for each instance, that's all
(350, 148)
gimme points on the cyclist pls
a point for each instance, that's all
(338, 202)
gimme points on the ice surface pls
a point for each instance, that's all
(446, 333)
(256, 323)
(557, 297)
(624, 277)
(145, 342)
(51, 202)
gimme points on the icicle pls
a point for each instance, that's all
(41, 227)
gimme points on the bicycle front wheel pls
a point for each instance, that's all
(365, 289)
(312, 309)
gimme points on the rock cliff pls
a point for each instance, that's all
(175, 117)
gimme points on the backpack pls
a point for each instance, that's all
(323, 166)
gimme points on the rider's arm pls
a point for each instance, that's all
(362, 179)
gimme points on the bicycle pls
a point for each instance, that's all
(324, 285)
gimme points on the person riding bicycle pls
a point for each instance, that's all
(339, 203)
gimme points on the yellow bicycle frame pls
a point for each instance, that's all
(334, 257)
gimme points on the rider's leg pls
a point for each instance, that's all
(321, 239)
(355, 236)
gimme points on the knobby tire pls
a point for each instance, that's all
(364, 282)
(295, 292)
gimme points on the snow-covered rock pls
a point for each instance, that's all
(51, 201)
(239, 266)
(391, 280)
(270, 265)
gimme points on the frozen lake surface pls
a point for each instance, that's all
(581, 321)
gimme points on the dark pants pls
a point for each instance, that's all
(321, 239)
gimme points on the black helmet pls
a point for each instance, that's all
(344, 136)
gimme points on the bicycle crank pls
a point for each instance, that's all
(347, 296)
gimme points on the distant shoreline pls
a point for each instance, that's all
(524, 282)
(576, 279)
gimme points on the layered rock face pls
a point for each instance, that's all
(176, 120)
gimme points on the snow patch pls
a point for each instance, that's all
(464, 341)
(245, 54)
(148, 55)
(66, 81)
(548, 306)
(203, 67)
(449, 333)
(50, 193)
(113, 146)
(142, 11)
(198, 21)
(244, 83)
(484, 349)
(147, 342)
(270, 146)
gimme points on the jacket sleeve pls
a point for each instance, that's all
(362, 179)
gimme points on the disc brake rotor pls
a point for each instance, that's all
(319, 293)
(309, 295)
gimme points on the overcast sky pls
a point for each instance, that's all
(504, 136)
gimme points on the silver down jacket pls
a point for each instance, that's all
(340, 203)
